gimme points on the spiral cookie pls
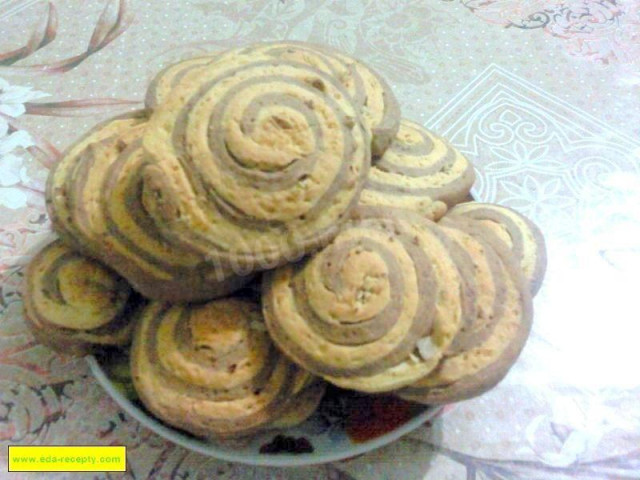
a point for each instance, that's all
(372, 311)
(255, 163)
(420, 171)
(162, 84)
(481, 363)
(481, 270)
(97, 208)
(380, 108)
(136, 249)
(212, 370)
(73, 303)
(519, 233)
(67, 210)
(369, 92)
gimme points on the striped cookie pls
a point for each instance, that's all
(74, 304)
(370, 93)
(61, 195)
(211, 369)
(486, 352)
(162, 84)
(420, 171)
(372, 311)
(481, 270)
(254, 162)
(97, 209)
(134, 246)
(427, 354)
(519, 233)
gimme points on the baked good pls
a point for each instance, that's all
(380, 108)
(375, 309)
(519, 233)
(482, 362)
(64, 206)
(162, 84)
(259, 159)
(420, 171)
(211, 369)
(370, 93)
(74, 304)
(134, 246)
(253, 161)
(94, 201)
(481, 270)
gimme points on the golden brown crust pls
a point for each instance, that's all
(135, 247)
(59, 187)
(370, 93)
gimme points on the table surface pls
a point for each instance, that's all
(543, 97)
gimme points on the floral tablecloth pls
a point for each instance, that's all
(543, 96)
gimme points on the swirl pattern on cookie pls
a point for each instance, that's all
(370, 93)
(61, 195)
(482, 274)
(357, 311)
(419, 171)
(211, 369)
(380, 107)
(162, 84)
(97, 208)
(135, 247)
(254, 164)
(519, 233)
(72, 303)
(481, 363)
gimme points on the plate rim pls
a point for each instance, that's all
(275, 460)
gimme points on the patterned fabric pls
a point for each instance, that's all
(542, 96)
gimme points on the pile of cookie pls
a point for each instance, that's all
(268, 224)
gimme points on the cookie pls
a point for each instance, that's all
(97, 209)
(481, 270)
(60, 192)
(74, 304)
(134, 246)
(420, 171)
(212, 370)
(162, 84)
(370, 93)
(430, 352)
(372, 311)
(254, 162)
(480, 363)
(519, 233)
(380, 107)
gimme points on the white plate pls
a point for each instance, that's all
(346, 425)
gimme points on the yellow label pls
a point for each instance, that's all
(34, 458)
